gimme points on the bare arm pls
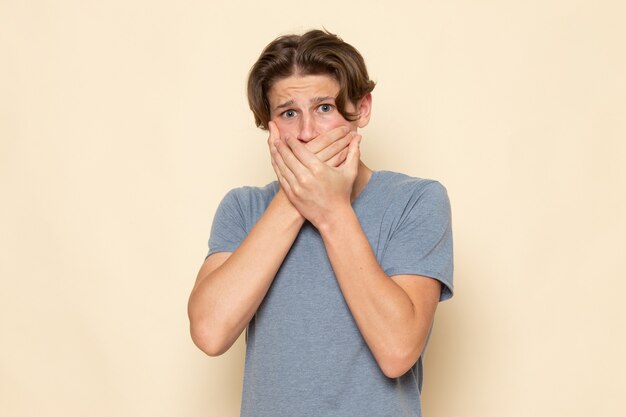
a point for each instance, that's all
(230, 287)
(394, 314)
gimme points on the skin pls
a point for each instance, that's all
(316, 157)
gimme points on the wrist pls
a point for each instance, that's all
(336, 221)
(288, 211)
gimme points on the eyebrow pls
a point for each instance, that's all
(285, 104)
(320, 99)
(315, 100)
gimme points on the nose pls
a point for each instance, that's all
(308, 129)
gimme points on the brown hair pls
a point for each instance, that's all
(315, 52)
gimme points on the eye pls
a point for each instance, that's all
(325, 108)
(289, 114)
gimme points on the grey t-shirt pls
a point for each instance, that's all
(305, 355)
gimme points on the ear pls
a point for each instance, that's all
(364, 108)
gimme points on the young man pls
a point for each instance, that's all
(335, 270)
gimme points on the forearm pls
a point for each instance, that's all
(385, 314)
(225, 299)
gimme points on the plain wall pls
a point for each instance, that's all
(123, 124)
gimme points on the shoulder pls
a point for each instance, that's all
(420, 229)
(249, 195)
(405, 188)
(248, 203)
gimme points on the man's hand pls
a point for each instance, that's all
(330, 147)
(315, 189)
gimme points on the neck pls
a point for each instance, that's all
(363, 176)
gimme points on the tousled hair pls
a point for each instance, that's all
(313, 53)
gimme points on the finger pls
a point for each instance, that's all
(338, 159)
(335, 148)
(354, 154)
(296, 156)
(283, 170)
(281, 180)
(275, 168)
(327, 138)
(273, 137)
(274, 134)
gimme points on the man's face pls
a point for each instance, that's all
(304, 106)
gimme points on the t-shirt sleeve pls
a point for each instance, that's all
(421, 244)
(229, 225)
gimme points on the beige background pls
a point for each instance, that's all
(123, 123)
